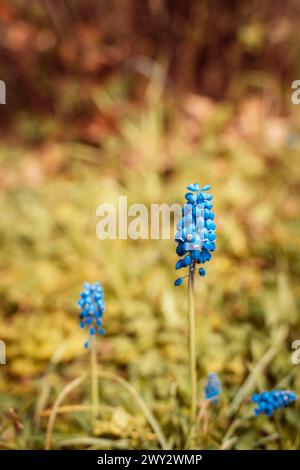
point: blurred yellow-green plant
(247, 310)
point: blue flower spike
(267, 402)
(196, 235)
(213, 388)
(92, 307)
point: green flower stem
(66, 390)
(113, 378)
(142, 404)
(192, 346)
(94, 382)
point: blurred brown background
(218, 48)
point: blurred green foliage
(48, 244)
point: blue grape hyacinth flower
(196, 230)
(213, 388)
(268, 402)
(91, 304)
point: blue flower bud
(193, 187)
(190, 197)
(255, 398)
(212, 389)
(200, 198)
(178, 236)
(187, 208)
(180, 249)
(212, 236)
(206, 245)
(198, 211)
(179, 264)
(187, 261)
(210, 225)
(178, 281)
(195, 255)
(188, 218)
(207, 214)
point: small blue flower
(190, 197)
(91, 304)
(196, 234)
(179, 264)
(212, 389)
(178, 281)
(268, 402)
(193, 187)
(187, 260)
